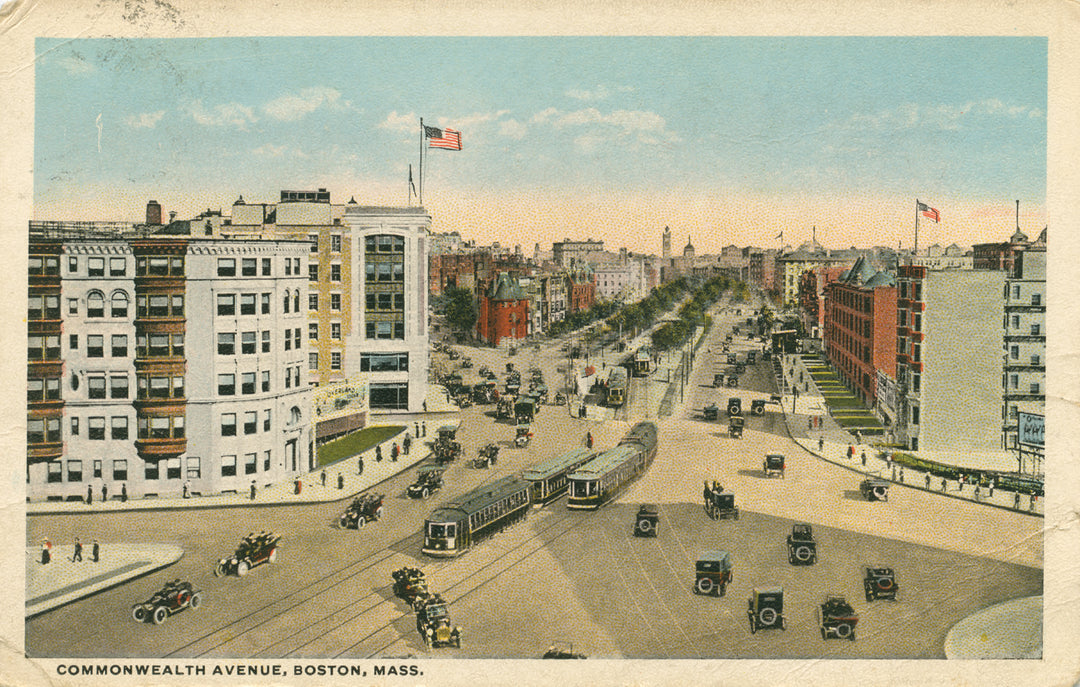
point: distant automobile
(368, 507)
(766, 609)
(561, 650)
(174, 597)
(647, 521)
(433, 624)
(837, 618)
(712, 573)
(428, 481)
(252, 551)
(773, 465)
(880, 583)
(802, 548)
(875, 489)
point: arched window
(95, 304)
(286, 302)
(294, 415)
(119, 304)
(296, 301)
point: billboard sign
(1030, 432)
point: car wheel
(843, 630)
(273, 555)
(736, 513)
(343, 522)
(378, 513)
(182, 599)
(721, 589)
(424, 493)
(803, 554)
(160, 614)
(360, 522)
(138, 613)
(644, 526)
(704, 585)
(783, 624)
(242, 568)
(767, 616)
(196, 600)
(219, 570)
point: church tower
(667, 243)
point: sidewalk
(312, 489)
(1007, 630)
(62, 581)
(831, 442)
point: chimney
(172, 216)
(153, 213)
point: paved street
(569, 576)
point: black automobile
(174, 597)
(757, 406)
(712, 573)
(718, 380)
(711, 412)
(880, 583)
(734, 406)
(562, 650)
(647, 521)
(253, 550)
(874, 489)
(720, 503)
(428, 481)
(363, 509)
(766, 609)
(837, 618)
(773, 465)
(736, 423)
(433, 624)
(410, 584)
(802, 548)
(486, 456)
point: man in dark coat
(123, 492)
(78, 551)
(89, 494)
(95, 552)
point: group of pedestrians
(105, 493)
(77, 553)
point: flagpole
(915, 251)
(421, 194)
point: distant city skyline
(725, 140)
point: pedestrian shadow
(854, 495)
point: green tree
(461, 309)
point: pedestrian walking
(104, 492)
(89, 495)
(298, 485)
(943, 484)
(252, 490)
(123, 492)
(858, 437)
(850, 451)
(77, 556)
(990, 488)
(406, 443)
(863, 457)
(894, 473)
(976, 492)
(394, 451)
(322, 476)
(360, 465)
(95, 552)
(416, 426)
(1016, 501)
(378, 453)
(46, 546)
(928, 480)
(960, 482)
(901, 473)
(424, 406)
(588, 439)
(1031, 503)
(340, 481)
(423, 426)
(187, 489)
(821, 444)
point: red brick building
(581, 290)
(812, 285)
(461, 270)
(860, 328)
(999, 256)
(504, 312)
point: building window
(97, 469)
(228, 424)
(226, 385)
(313, 331)
(119, 346)
(247, 383)
(266, 461)
(265, 380)
(249, 267)
(95, 304)
(266, 262)
(95, 346)
(118, 387)
(73, 264)
(74, 470)
(288, 378)
(228, 466)
(1036, 299)
(95, 428)
(296, 301)
(1036, 359)
(266, 341)
(73, 306)
(55, 472)
(249, 463)
(1014, 352)
(313, 302)
(1014, 381)
(1034, 387)
(313, 239)
(335, 301)
(74, 426)
(266, 420)
(48, 265)
(226, 343)
(288, 340)
(226, 304)
(393, 396)
(119, 427)
(247, 304)
(286, 303)
(335, 243)
(288, 267)
(194, 468)
(96, 387)
(313, 361)
(335, 360)
(264, 301)
(335, 330)
(247, 343)
(117, 267)
(1036, 329)
(296, 376)
(296, 338)
(335, 272)
(119, 470)
(313, 271)
(95, 267)
(226, 267)
(251, 422)
(384, 362)
(172, 468)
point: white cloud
(512, 129)
(400, 122)
(544, 115)
(145, 120)
(642, 126)
(944, 117)
(601, 92)
(289, 108)
(229, 114)
(269, 150)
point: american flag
(443, 138)
(929, 212)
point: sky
(726, 140)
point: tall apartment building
(948, 358)
(1024, 378)
(567, 253)
(860, 328)
(136, 339)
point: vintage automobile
(505, 408)
(718, 380)
(719, 503)
(174, 597)
(484, 371)
(540, 393)
(253, 550)
(751, 357)
(713, 573)
(433, 624)
(466, 363)
(410, 584)
(454, 355)
(481, 394)
(561, 650)
(732, 358)
(487, 456)
(429, 480)
(525, 409)
(757, 406)
(711, 412)
(732, 381)
(734, 406)
(512, 387)
(446, 447)
(463, 399)
(837, 618)
(874, 489)
(880, 583)
(362, 509)
(647, 521)
(560, 399)
(802, 548)
(766, 609)
(773, 465)
(736, 423)
(522, 435)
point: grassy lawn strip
(856, 422)
(849, 402)
(358, 442)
